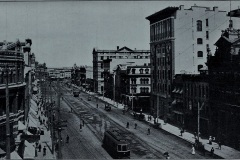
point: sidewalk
(225, 152)
(45, 140)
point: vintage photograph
(119, 79)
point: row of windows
(200, 90)
(163, 88)
(121, 57)
(164, 74)
(163, 61)
(144, 90)
(12, 78)
(161, 30)
(141, 71)
(142, 81)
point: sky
(65, 32)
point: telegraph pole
(198, 129)
(51, 117)
(8, 156)
(59, 131)
(132, 99)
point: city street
(97, 120)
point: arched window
(199, 25)
(147, 71)
(199, 41)
(147, 80)
(200, 66)
(141, 71)
(200, 54)
(133, 71)
(141, 81)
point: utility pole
(51, 117)
(132, 98)
(157, 107)
(199, 108)
(114, 87)
(8, 155)
(59, 131)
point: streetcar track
(116, 125)
(151, 147)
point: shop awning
(14, 155)
(21, 126)
(2, 152)
(174, 102)
(29, 152)
(178, 112)
(32, 121)
(34, 106)
(174, 90)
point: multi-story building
(78, 75)
(179, 39)
(12, 71)
(133, 86)
(118, 56)
(224, 86)
(190, 94)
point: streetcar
(76, 93)
(116, 144)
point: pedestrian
(80, 126)
(39, 147)
(83, 122)
(135, 126)
(219, 145)
(43, 121)
(148, 131)
(127, 125)
(210, 140)
(193, 150)
(150, 118)
(212, 151)
(44, 150)
(97, 105)
(181, 132)
(36, 152)
(67, 139)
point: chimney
(215, 8)
(117, 47)
(181, 7)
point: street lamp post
(8, 156)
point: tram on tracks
(116, 144)
(76, 93)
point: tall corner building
(179, 41)
(119, 56)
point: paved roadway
(87, 143)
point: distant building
(78, 75)
(60, 73)
(179, 40)
(133, 86)
(118, 56)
